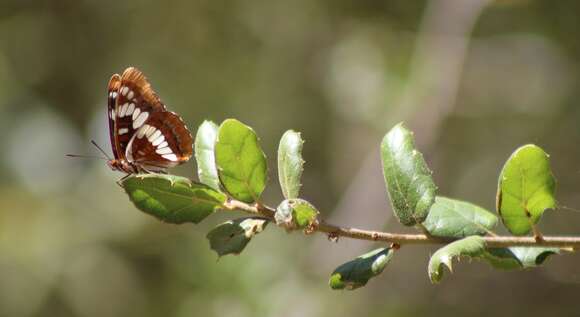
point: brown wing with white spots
(162, 141)
(135, 103)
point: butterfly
(145, 137)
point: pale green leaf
(290, 163)
(295, 214)
(171, 198)
(231, 237)
(458, 219)
(204, 154)
(472, 246)
(526, 189)
(358, 272)
(240, 160)
(518, 257)
(409, 182)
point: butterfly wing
(133, 101)
(163, 141)
(112, 93)
(142, 131)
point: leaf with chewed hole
(356, 273)
(231, 237)
(295, 214)
(172, 198)
(518, 257)
(472, 247)
(290, 163)
(409, 182)
(240, 160)
(205, 156)
(458, 219)
(526, 189)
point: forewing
(162, 141)
(136, 102)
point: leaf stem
(403, 239)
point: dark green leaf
(231, 237)
(290, 163)
(526, 189)
(473, 246)
(240, 160)
(171, 198)
(204, 154)
(458, 219)
(409, 183)
(356, 273)
(518, 257)
(295, 214)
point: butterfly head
(123, 166)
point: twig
(404, 239)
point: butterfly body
(123, 166)
(145, 137)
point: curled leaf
(458, 219)
(171, 198)
(409, 182)
(231, 237)
(295, 214)
(526, 189)
(290, 163)
(240, 160)
(518, 257)
(472, 246)
(204, 154)
(356, 273)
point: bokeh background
(474, 80)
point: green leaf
(240, 160)
(290, 163)
(171, 198)
(204, 154)
(526, 189)
(356, 273)
(409, 183)
(518, 257)
(295, 214)
(231, 237)
(473, 246)
(458, 219)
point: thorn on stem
(311, 228)
(333, 236)
(537, 234)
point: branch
(401, 238)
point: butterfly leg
(120, 181)
(154, 171)
(144, 170)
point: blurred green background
(474, 80)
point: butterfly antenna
(100, 149)
(87, 156)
